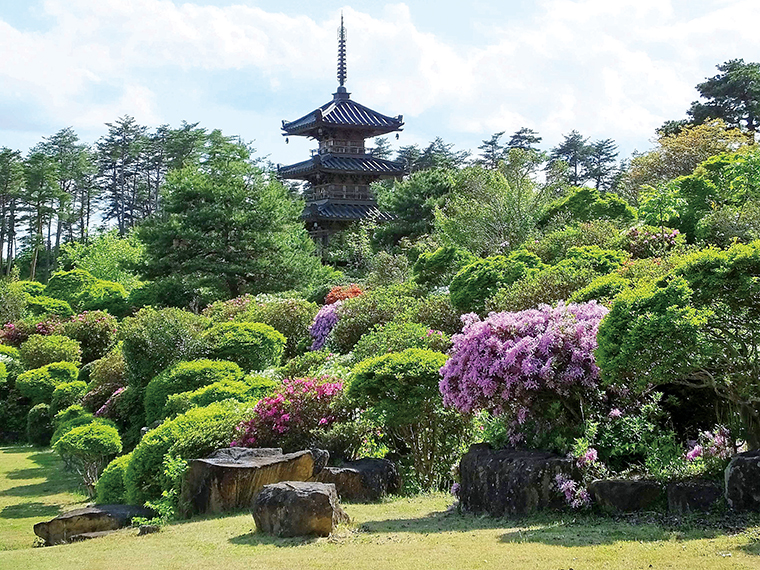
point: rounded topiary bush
(73, 416)
(437, 268)
(291, 317)
(31, 288)
(48, 306)
(105, 296)
(70, 286)
(398, 336)
(253, 346)
(88, 449)
(38, 384)
(191, 435)
(40, 350)
(11, 360)
(249, 389)
(94, 330)
(110, 488)
(67, 394)
(38, 425)
(185, 377)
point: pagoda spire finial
(341, 52)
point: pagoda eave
(346, 165)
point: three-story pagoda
(341, 170)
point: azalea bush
(650, 241)
(94, 330)
(536, 367)
(288, 418)
(40, 350)
(343, 292)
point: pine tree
(525, 139)
(574, 150)
(11, 187)
(601, 164)
(492, 152)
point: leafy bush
(185, 377)
(650, 241)
(724, 225)
(398, 336)
(38, 426)
(85, 292)
(437, 268)
(110, 489)
(107, 375)
(477, 282)
(305, 365)
(14, 408)
(11, 360)
(47, 306)
(602, 289)
(38, 384)
(10, 352)
(105, 296)
(191, 435)
(291, 317)
(31, 288)
(536, 367)
(95, 331)
(343, 292)
(358, 315)
(153, 340)
(88, 449)
(288, 418)
(553, 246)
(12, 302)
(253, 346)
(71, 417)
(436, 312)
(401, 391)
(67, 394)
(585, 204)
(40, 350)
(249, 389)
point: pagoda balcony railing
(341, 192)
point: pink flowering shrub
(576, 495)
(288, 417)
(95, 331)
(650, 241)
(713, 450)
(323, 324)
(536, 367)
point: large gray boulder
(88, 522)
(693, 496)
(229, 479)
(363, 480)
(742, 477)
(297, 508)
(626, 495)
(510, 481)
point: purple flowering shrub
(651, 241)
(323, 324)
(536, 367)
(712, 451)
(288, 417)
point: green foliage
(250, 389)
(179, 291)
(67, 394)
(40, 350)
(106, 256)
(153, 340)
(106, 296)
(38, 426)
(88, 449)
(436, 312)
(661, 204)
(552, 247)
(305, 365)
(596, 258)
(376, 307)
(73, 417)
(193, 434)
(398, 336)
(351, 440)
(12, 302)
(602, 289)
(42, 306)
(31, 288)
(185, 377)
(253, 346)
(11, 360)
(585, 204)
(95, 331)
(479, 281)
(85, 292)
(436, 269)
(724, 225)
(38, 384)
(387, 269)
(110, 489)
(401, 391)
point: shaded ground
(416, 533)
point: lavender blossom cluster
(323, 324)
(503, 363)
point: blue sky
(462, 71)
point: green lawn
(402, 533)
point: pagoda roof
(342, 164)
(342, 112)
(327, 210)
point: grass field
(414, 533)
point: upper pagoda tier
(342, 115)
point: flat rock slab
(363, 480)
(86, 521)
(511, 481)
(742, 479)
(230, 479)
(297, 508)
(626, 495)
(693, 496)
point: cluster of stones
(289, 494)
(515, 482)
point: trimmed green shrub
(40, 350)
(398, 336)
(291, 317)
(248, 390)
(14, 409)
(95, 331)
(253, 346)
(479, 281)
(10, 351)
(48, 306)
(153, 340)
(437, 268)
(72, 417)
(305, 365)
(11, 360)
(602, 289)
(185, 377)
(193, 434)
(71, 286)
(437, 312)
(67, 394)
(401, 390)
(38, 384)
(88, 449)
(38, 426)
(31, 288)
(585, 204)
(553, 247)
(110, 489)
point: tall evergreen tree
(492, 151)
(574, 150)
(382, 148)
(524, 138)
(39, 199)
(11, 188)
(601, 164)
